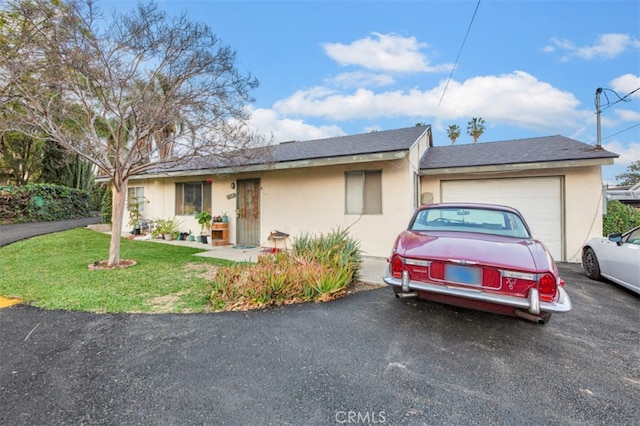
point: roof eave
(285, 165)
(518, 166)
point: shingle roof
(364, 143)
(340, 146)
(531, 150)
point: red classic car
(478, 256)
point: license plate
(467, 275)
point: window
(135, 197)
(363, 192)
(458, 219)
(192, 197)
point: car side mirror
(616, 238)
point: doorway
(248, 212)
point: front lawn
(52, 272)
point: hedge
(41, 203)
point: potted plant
(204, 219)
(169, 228)
(224, 217)
(135, 215)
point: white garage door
(538, 199)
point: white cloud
(517, 98)
(629, 152)
(268, 122)
(384, 52)
(361, 79)
(625, 84)
(558, 43)
(628, 115)
(606, 47)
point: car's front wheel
(590, 264)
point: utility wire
(620, 99)
(459, 52)
(610, 104)
(622, 131)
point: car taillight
(397, 264)
(547, 287)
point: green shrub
(106, 208)
(96, 197)
(42, 202)
(619, 218)
(319, 268)
(336, 248)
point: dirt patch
(359, 286)
(207, 270)
(164, 304)
(103, 264)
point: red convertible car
(478, 256)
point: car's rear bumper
(531, 304)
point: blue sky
(528, 68)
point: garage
(539, 199)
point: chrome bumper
(532, 303)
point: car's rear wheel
(590, 264)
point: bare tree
(137, 92)
(475, 128)
(453, 132)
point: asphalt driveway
(364, 359)
(20, 231)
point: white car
(616, 258)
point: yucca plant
(335, 248)
(317, 269)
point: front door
(248, 212)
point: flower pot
(225, 218)
(190, 238)
(204, 239)
(198, 239)
(168, 237)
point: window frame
(369, 192)
(134, 192)
(205, 202)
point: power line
(622, 131)
(459, 52)
(620, 99)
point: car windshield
(479, 220)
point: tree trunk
(117, 217)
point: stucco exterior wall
(304, 200)
(581, 200)
(313, 200)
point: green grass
(51, 272)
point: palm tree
(475, 128)
(453, 132)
